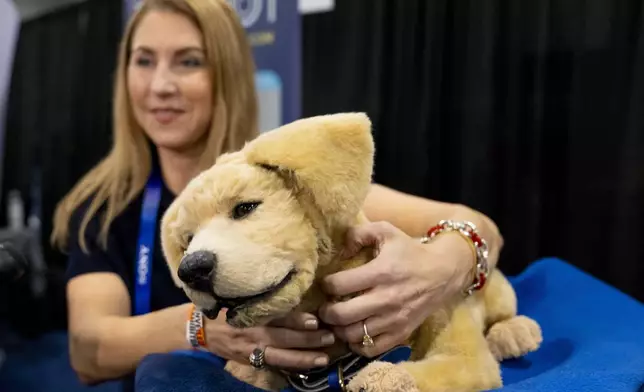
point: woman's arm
(415, 215)
(105, 341)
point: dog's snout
(197, 268)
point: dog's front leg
(459, 361)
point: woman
(184, 93)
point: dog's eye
(241, 210)
(187, 239)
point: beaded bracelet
(479, 246)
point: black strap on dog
(337, 375)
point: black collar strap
(338, 374)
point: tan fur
(312, 177)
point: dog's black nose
(196, 270)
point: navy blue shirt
(120, 255)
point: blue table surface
(593, 340)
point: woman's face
(169, 82)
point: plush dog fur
(275, 214)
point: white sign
(312, 6)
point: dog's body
(275, 214)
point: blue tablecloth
(42, 365)
(593, 341)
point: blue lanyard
(145, 247)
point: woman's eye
(143, 62)
(192, 62)
(242, 210)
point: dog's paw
(514, 337)
(382, 377)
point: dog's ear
(330, 157)
(230, 157)
(171, 239)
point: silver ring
(256, 358)
(367, 340)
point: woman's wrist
(196, 329)
(486, 229)
(467, 251)
(458, 253)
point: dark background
(529, 111)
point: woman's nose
(163, 82)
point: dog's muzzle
(233, 304)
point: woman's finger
(297, 320)
(355, 309)
(354, 280)
(376, 325)
(367, 235)
(289, 338)
(292, 359)
(282, 358)
(382, 343)
(357, 238)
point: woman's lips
(166, 116)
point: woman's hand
(284, 341)
(403, 285)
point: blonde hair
(120, 177)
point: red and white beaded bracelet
(479, 247)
